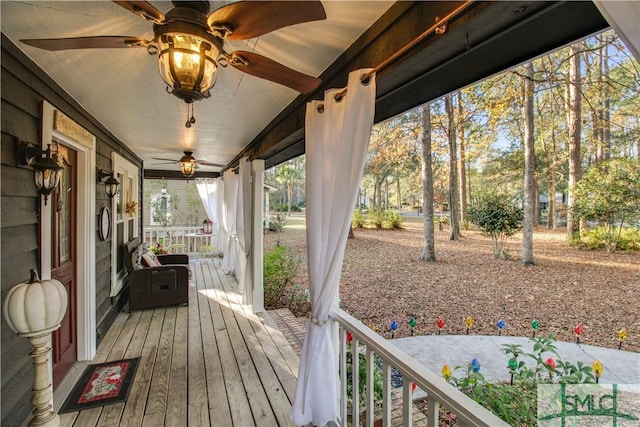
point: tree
(288, 174)
(453, 170)
(574, 120)
(609, 193)
(498, 216)
(529, 168)
(428, 241)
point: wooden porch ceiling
(487, 38)
(211, 363)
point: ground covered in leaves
(384, 279)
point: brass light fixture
(187, 52)
(46, 170)
(110, 185)
(188, 164)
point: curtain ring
(339, 97)
(365, 80)
(320, 108)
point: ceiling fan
(189, 42)
(188, 163)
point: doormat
(101, 384)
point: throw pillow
(151, 260)
(136, 258)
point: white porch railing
(439, 392)
(180, 239)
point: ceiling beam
(176, 175)
(485, 39)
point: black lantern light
(110, 185)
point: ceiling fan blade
(168, 160)
(143, 9)
(205, 163)
(265, 68)
(164, 163)
(86, 42)
(249, 19)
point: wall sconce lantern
(46, 170)
(110, 185)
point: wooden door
(63, 262)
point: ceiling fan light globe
(188, 168)
(187, 64)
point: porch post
(257, 233)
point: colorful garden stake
(534, 325)
(551, 366)
(373, 327)
(349, 337)
(440, 324)
(513, 365)
(394, 327)
(469, 322)
(475, 365)
(622, 337)
(413, 387)
(578, 330)
(412, 324)
(446, 372)
(597, 369)
(501, 325)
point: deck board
(209, 363)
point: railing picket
(386, 394)
(371, 409)
(355, 382)
(343, 375)
(407, 402)
(433, 411)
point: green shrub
(376, 218)
(441, 221)
(277, 222)
(392, 220)
(358, 220)
(362, 378)
(516, 402)
(280, 270)
(616, 238)
(498, 215)
(283, 207)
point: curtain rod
(440, 27)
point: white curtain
(243, 227)
(336, 148)
(221, 235)
(208, 191)
(624, 17)
(229, 220)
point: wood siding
(24, 88)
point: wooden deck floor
(208, 363)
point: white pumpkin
(35, 306)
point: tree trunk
(529, 168)
(386, 193)
(289, 196)
(463, 162)
(399, 199)
(605, 120)
(551, 185)
(575, 118)
(454, 217)
(428, 240)
(351, 235)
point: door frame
(85, 226)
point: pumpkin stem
(34, 276)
